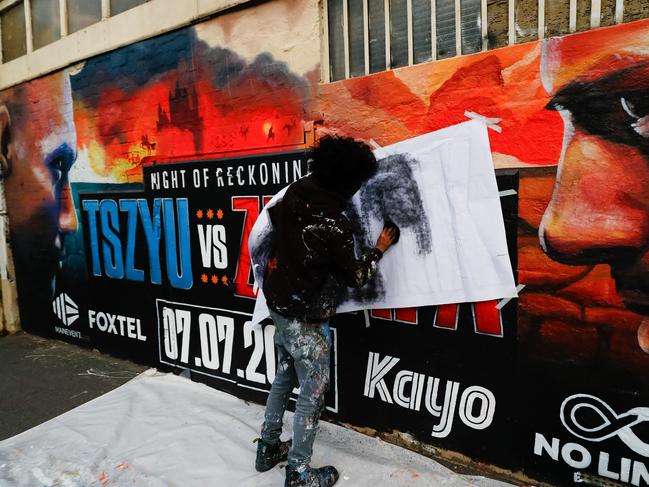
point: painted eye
(57, 164)
(56, 168)
(628, 107)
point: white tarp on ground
(164, 430)
(440, 188)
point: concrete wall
(147, 20)
(573, 141)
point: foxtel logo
(66, 309)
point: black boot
(311, 477)
(270, 455)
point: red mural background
(566, 312)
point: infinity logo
(612, 424)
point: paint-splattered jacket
(313, 257)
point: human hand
(388, 237)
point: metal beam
(325, 71)
(484, 27)
(433, 29)
(63, 16)
(458, 28)
(28, 26)
(511, 22)
(386, 11)
(105, 9)
(595, 13)
(619, 11)
(366, 36)
(346, 36)
(411, 52)
(573, 16)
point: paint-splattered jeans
(302, 358)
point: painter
(311, 261)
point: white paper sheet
(457, 250)
(161, 430)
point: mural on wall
(87, 215)
(577, 101)
(585, 92)
(38, 149)
(170, 96)
(147, 259)
(598, 213)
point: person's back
(312, 258)
(311, 261)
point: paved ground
(161, 430)
(40, 379)
(43, 378)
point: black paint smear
(134, 66)
(391, 195)
(181, 52)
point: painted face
(599, 212)
(41, 152)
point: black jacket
(312, 258)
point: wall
(9, 315)
(142, 22)
(581, 331)
(108, 256)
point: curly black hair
(342, 164)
